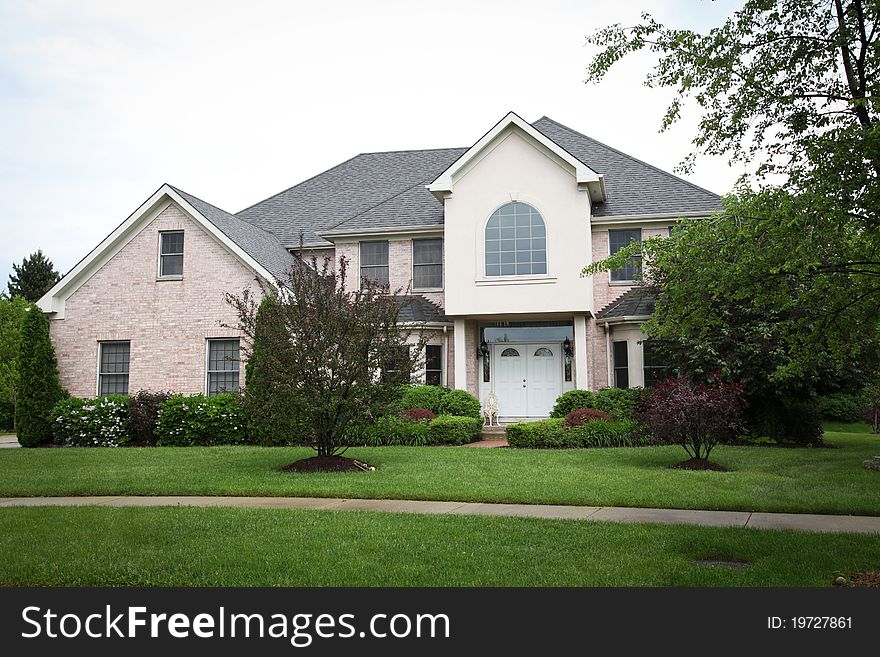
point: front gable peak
(587, 178)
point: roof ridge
(628, 156)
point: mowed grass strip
(761, 479)
(184, 546)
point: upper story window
(171, 254)
(516, 241)
(113, 358)
(374, 261)
(427, 264)
(617, 239)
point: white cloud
(101, 102)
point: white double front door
(528, 378)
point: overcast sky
(102, 102)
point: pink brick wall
(604, 292)
(166, 321)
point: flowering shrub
(200, 420)
(99, 422)
(696, 416)
(581, 415)
(418, 415)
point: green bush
(460, 403)
(572, 401)
(553, 434)
(454, 430)
(39, 388)
(428, 397)
(201, 420)
(7, 416)
(98, 422)
(619, 403)
(390, 430)
(785, 419)
(842, 406)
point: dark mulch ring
(867, 579)
(699, 464)
(327, 464)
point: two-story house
(490, 240)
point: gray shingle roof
(350, 189)
(417, 309)
(637, 302)
(633, 187)
(260, 244)
(386, 190)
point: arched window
(543, 352)
(516, 241)
(510, 351)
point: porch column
(580, 353)
(461, 354)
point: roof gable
(583, 174)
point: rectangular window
(223, 366)
(374, 262)
(617, 239)
(427, 264)
(653, 363)
(621, 364)
(113, 368)
(398, 369)
(433, 365)
(171, 254)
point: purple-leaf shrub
(580, 416)
(695, 415)
(418, 415)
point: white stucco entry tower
(539, 312)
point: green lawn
(177, 546)
(762, 479)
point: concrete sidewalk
(796, 521)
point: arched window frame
(487, 271)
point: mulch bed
(699, 464)
(866, 579)
(327, 464)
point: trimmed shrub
(785, 419)
(553, 434)
(842, 406)
(39, 388)
(571, 401)
(7, 416)
(454, 430)
(98, 422)
(200, 420)
(460, 403)
(389, 430)
(143, 413)
(417, 415)
(428, 397)
(583, 415)
(619, 403)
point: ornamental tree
(323, 358)
(695, 415)
(39, 386)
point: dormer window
(516, 241)
(171, 254)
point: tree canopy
(782, 288)
(33, 277)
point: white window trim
(629, 282)
(508, 279)
(442, 363)
(208, 359)
(169, 277)
(412, 264)
(361, 261)
(101, 344)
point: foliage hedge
(98, 422)
(143, 414)
(553, 434)
(39, 387)
(842, 406)
(393, 430)
(422, 397)
(199, 420)
(460, 403)
(619, 403)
